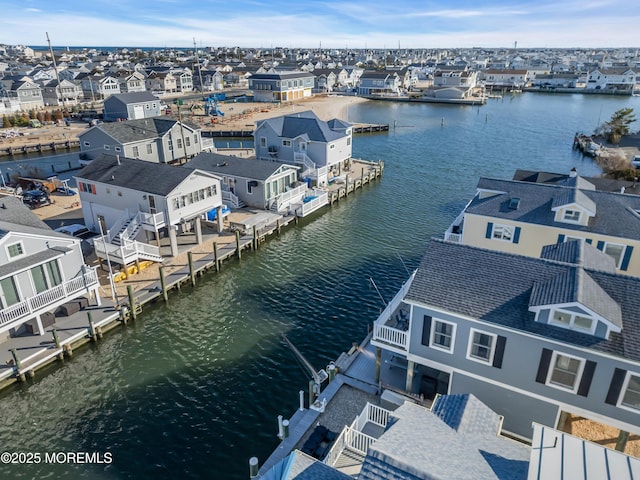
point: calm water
(193, 390)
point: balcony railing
(453, 237)
(35, 304)
(393, 336)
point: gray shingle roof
(140, 175)
(418, 444)
(234, 166)
(132, 131)
(579, 253)
(615, 213)
(31, 260)
(298, 466)
(134, 97)
(304, 123)
(497, 289)
(13, 211)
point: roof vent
(514, 203)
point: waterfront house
(184, 79)
(281, 86)
(507, 79)
(618, 80)
(453, 83)
(373, 82)
(40, 271)
(268, 185)
(535, 339)
(161, 81)
(320, 148)
(558, 80)
(133, 202)
(131, 106)
(212, 81)
(523, 217)
(158, 140)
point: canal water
(193, 389)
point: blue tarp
(212, 214)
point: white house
(132, 202)
(320, 148)
(40, 270)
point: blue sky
(337, 24)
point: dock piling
(132, 303)
(92, 328)
(163, 284)
(238, 245)
(253, 467)
(301, 400)
(215, 256)
(192, 272)
(254, 242)
(285, 429)
(312, 392)
(280, 428)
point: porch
(391, 330)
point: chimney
(573, 173)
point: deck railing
(392, 336)
(322, 198)
(336, 449)
(32, 305)
(453, 237)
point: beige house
(522, 217)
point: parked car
(35, 198)
(76, 230)
(636, 161)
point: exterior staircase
(232, 200)
(121, 244)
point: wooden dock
(32, 353)
(369, 128)
(357, 129)
(38, 147)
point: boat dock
(26, 354)
(357, 128)
(38, 147)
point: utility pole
(195, 49)
(55, 68)
(184, 145)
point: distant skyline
(335, 24)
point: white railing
(358, 441)
(155, 220)
(283, 200)
(128, 252)
(392, 336)
(453, 237)
(304, 159)
(336, 449)
(207, 143)
(36, 303)
(322, 198)
(230, 199)
(374, 414)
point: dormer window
(572, 321)
(571, 215)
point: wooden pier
(31, 353)
(38, 147)
(357, 128)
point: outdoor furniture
(68, 309)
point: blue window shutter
(587, 376)
(600, 245)
(627, 256)
(560, 238)
(426, 330)
(499, 354)
(589, 241)
(489, 230)
(516, 235)
(616, 386)
(543, 366)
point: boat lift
(318, 376)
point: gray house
(131, 106)
(40, 270)
(158, 140)
(320, 148)
(536, 339)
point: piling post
(332, 371)
(278, 226)
(99, 332)
(215, 256)
(285, 429)
(68, 350)
(16, 359)
(378, 363)
(621, 443)
(163, 284)
(254, 243)
(238, 245)
(442, 122)
(312, 392)
(192, 272)
(280, 428)
(132, 302)
(56, 339)
(301, 400)
(296, 218)
(92, 328)
(253, 467)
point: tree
(618, 124)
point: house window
(631, 389)
(481, 346)
(442, 335)
(179, 143)
(572, 321)
(149, 148)
(332, 146)
(107, 147)
(503, 232)
(348, 141)
(136, 152)
(572, 215)
(117, 149)
(15, 250)
(8, 292)
(195, 139)
(263, 141)
(187, 141)
(286, 143)
(565, 371)
(39, 279)
(170, 143)
(86, 144)
(615, 251)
